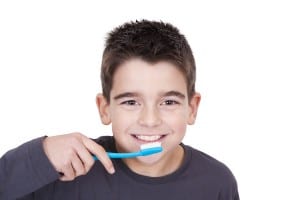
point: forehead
(137, 75)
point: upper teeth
(149, 138)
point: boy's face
(148, 103)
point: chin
(149, 160)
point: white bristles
(150, 145)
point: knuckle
(101, 148)
(73, 140)
(77, 134)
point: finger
(84, 155)
(101, 154)
(82, 152)
(68, 173)
(78, 167)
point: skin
(153, 103)
(148, 102)
(70, 154)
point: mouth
(148, 138)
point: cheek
(120, 121)
(179, 126)
(177, 120)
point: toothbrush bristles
(150, 145)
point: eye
(129, 103)
(170, 102)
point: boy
(148, 82)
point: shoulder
(210, 168)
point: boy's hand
(70, 154)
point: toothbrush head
(150, 148)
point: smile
(149, 138)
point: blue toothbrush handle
(120, 155)
(143, 152)
(123, 155)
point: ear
(193, 108)
(103, 108)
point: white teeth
(149, 138)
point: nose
(150, 117)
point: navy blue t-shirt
(27, 174)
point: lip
(147, 138)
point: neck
(168, 164)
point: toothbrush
(146, 149)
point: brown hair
(150, 41)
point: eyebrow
(174, 93)
(125, 94)
(135, 94)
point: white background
(247, 54)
